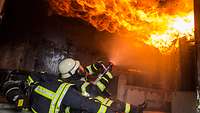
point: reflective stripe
(102, 109)
(59, 80)
(67, 110)
(61, 97)
(30, 80)
(105, 101)
(109, 103)
(56, 97)
(105, 79)
(93, 65)
(89, 68)
(33, 110)
(127, 108)
(20, 102)
(101, 86)
(109, 75)
(83, 89)
(44, 92)
(100, 99)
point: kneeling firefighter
(47, 94)
(71, 71)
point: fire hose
(105, 70)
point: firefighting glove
(140, 108)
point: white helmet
(68, 67)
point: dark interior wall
(32, 40)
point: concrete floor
(7, 108)
(12, 111)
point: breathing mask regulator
(12, 88)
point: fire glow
(177, 27)
(160, 22)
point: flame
(177, 27)
(160, 22)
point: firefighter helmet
(68, 67)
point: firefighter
(71, 71)
(47, 94)
(69, 67)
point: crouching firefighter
(72, 71)
(47, 94)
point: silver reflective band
(44, 92)
(56, 98)
(61, 97)
(102, 109)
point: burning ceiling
(160, 23)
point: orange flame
(161, 22)
(177, 27)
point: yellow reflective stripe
(90, 69)
(109, 103)
(59, 80)
(56, 96)
(20, 102)
(105, 79)
(44, 92)
(102, 109)
(67, 110)
(94, 66)
(109, 75)
(83, 89)
(61, 97)
(127, 108)
(33, 110)
(101, 86)
(100, 99)
(30, 80)
(106, 101)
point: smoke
(138, 59)
(125, 50)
